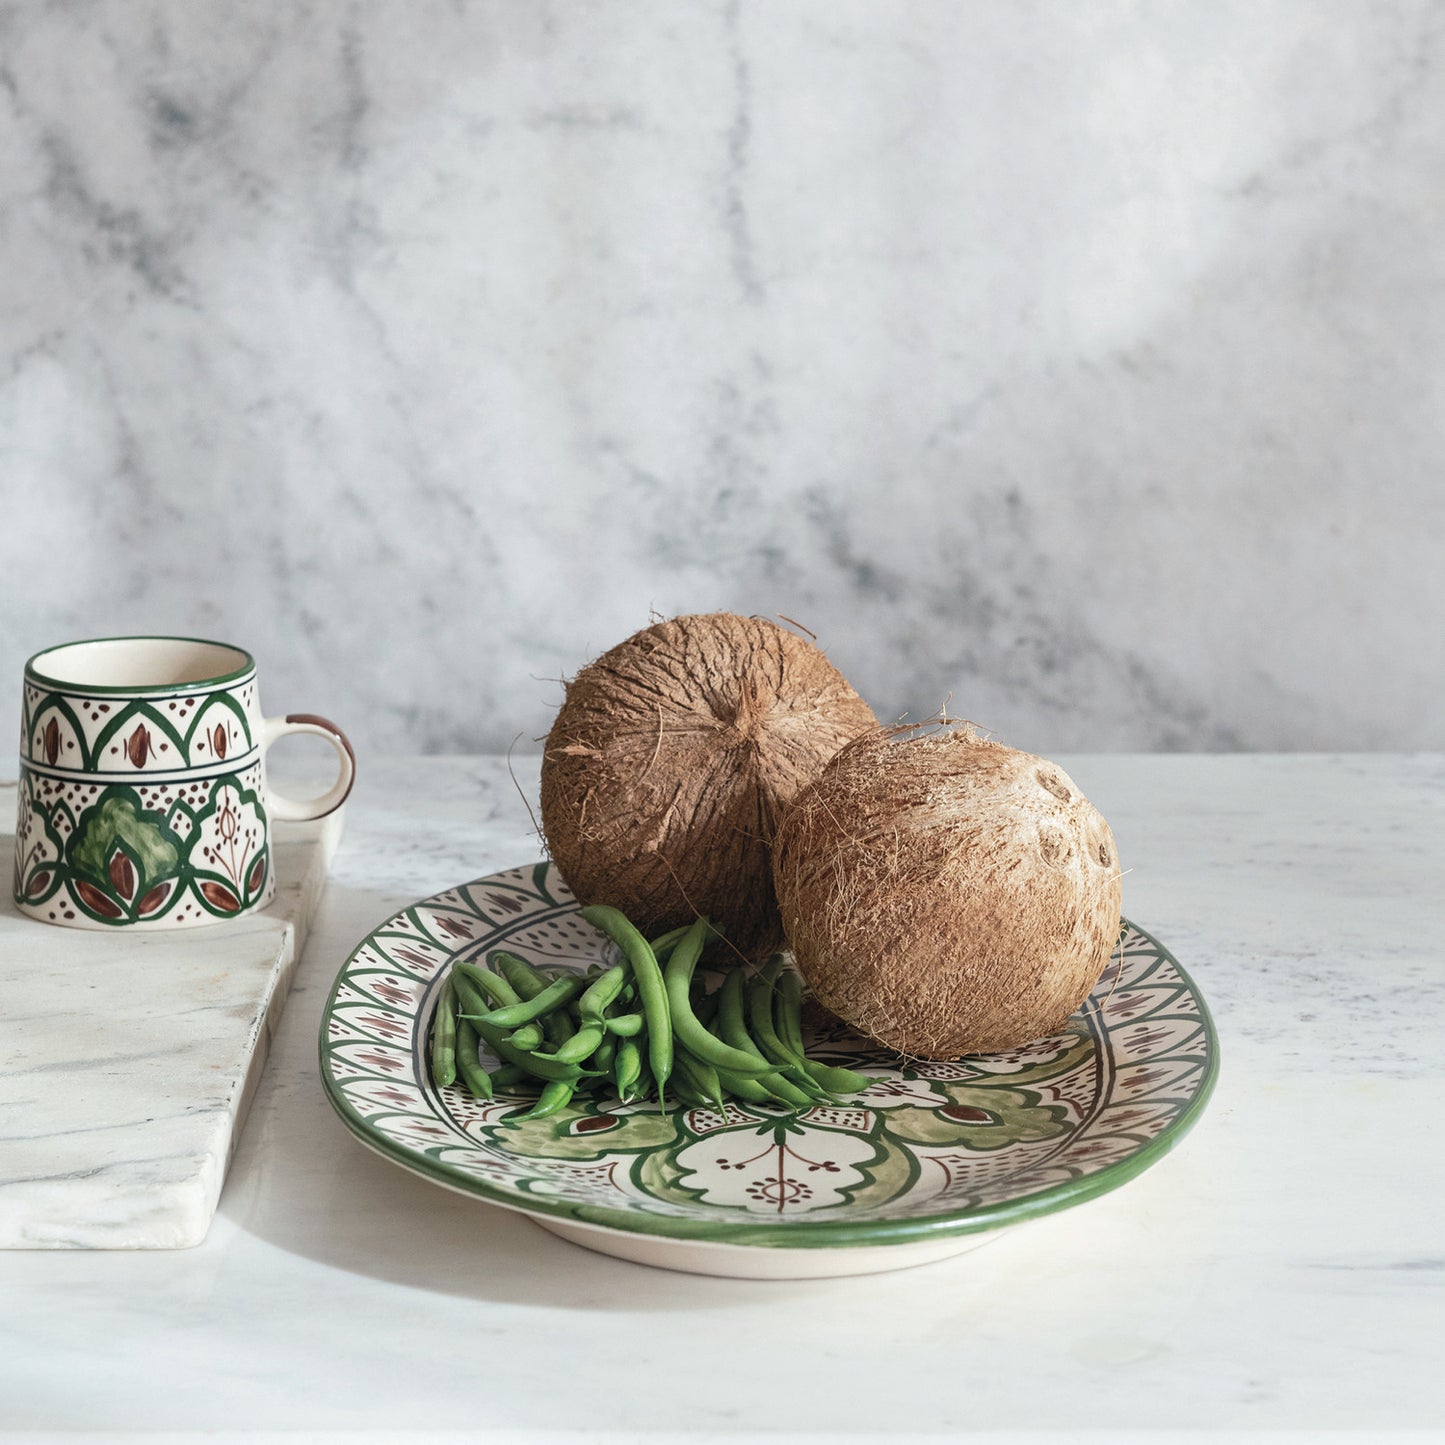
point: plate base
(730, 1261)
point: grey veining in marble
(130, 1059)
(1076, 363)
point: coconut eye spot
(1054, 846)
(1053, 783)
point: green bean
(642, 1086)
(690, 1033)
(509, 1076)
(558, 1027)
(524, 1011)
(606, 1052)
(601, 994)
(625, 1026)
(766, 1039)
(760, 1017)
(687, 1092)
(525, 979)
(664, 943)
(838, 1080)
(650, 991)
(788, 1092)
(484, 981)
(528, 983)
(735, 1033)
(497, 1040)
(626, 1068)
(581, 1046)
(555, 1096)
(706, 1008)
(528, 1037)
(474, 1076)
(751, 1091)
(444, 1038)
(788, 1007)
(788, 1003)
(703, 1077)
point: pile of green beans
(637, 1030)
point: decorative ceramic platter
(925, 1163)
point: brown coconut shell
(947, 895)
(670, 763)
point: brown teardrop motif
(138, 748)
(122, 875)
(38, 884)
(218, 740)
(596, 1124)
(258, 876)
(51, 740)
(967, 1114)
(219, 896)
(153, 899)
(96, 901)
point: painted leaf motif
(220, 897)
(154, 899)
(138, 747)
(96, 901)
(38, 884)
(218, 740)
(258, 876)
(119, 819)
(122, 875)
(51, 740)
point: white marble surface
(1280, 1275)
(1081, 361)
(131, 1059)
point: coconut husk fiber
(945, 894)
(671, 760)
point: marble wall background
(1081, 362)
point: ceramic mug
(143, 800)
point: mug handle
(298, 810)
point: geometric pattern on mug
(135, 735)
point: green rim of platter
(400, 1039)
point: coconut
(670, 762)
(945, 894)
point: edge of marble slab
(178, 1214)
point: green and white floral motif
(227, 853)
(863, 1151)
(123, 859)
(926, 1149)
(38, 847)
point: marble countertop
(1282, 1272)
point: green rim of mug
(166, 689)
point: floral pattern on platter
(927, 1148)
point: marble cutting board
(128, 1061)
